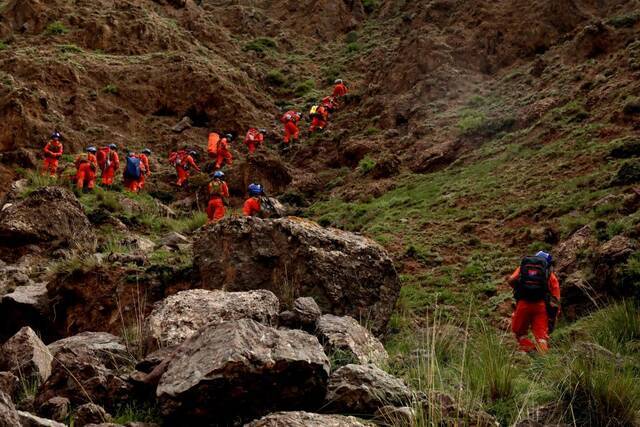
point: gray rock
(101, 345)
(90, 413)
(25, 306)
(242, 368)
(173, 239)
(9, 384)
(393, 416)
(345, 273)
(568, 252)
(182, 125)
(8, 414)
(304, 419)
(179, 316)
(26, 356)
(56, 408)
(347, 335)
(30, 420)
(616, 250)
(50, 217)
(363, 389)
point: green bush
(69, 48)
(3, 45)
(304, 87)
(624, 21)
(490, 371)
(352, 37)
(372, 130)
(111, 88)
(56, 28)
(260, 44)
(353, 47)
(366, 165)
(617, 326)
(369, 5)
(276, 78)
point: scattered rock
(242, 368)
(632, 107)
(29, 420)
(94, 360)
(56, 408)
(347, 335)
(153, 359)
(51, 217)
(182, 125)
(272, 208)
(90, 413)
(616, 250)
(304, 315)
(141, 244)
(8, 414)
(25, 355)
(629, 173)
(395, 416)
(9, 384)
(25, 306)
(304, 419)
(567, 254)
(173, 240)
(363, 389)
(345, 273)
(179, 316)
(386, 167)
(627, 149)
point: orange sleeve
(47, 149)
(246, 208)
(514, 276)
(225, 190)
(192, 163)
(116, 161)
(554, 285)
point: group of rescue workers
(535, 286)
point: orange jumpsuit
(109, 172)
(251, 207)
(215, 208)
(183, 169)
(319, 119)
(135, 185)
(253, 138)
(340, 90)
(327, 102)
(533, 314)
(52, 153)
(86, 166)
(147, 170)
(223, 155)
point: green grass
(137, 412)
(261, 44)
(56, 28)
(69, 48)
(276, 78)
(305, 87)
(366, 165)
(111, 89)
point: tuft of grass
(340, 357)
(276, 78)
(188, 224)
(56, 28)
(303, 88)
(261, 45)
(137, 412)
(111, 88)
(353, 47)
(366, 165)
(617, 326)
(351, 37)
(370, 5)
(624, 21)
(69, 48)
(75, 265)
(3, 45)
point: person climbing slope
(254, 138)
(224, 156)
(109, 163)
(328, 102)
(290, 120)
(340, 89)
(144, 158)
(218, 192)
(86, 167)
(252, 204)
(134, 171)
(319, 116)
(183, 162)
(53, 150)
(537, 293)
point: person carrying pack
(52, 153)
(319, 116)
(134, 171)
(218, 192)
(290, 120)
(109, 163)
(183, 165)
(86, 166)
(253, 138)
(252, 205)
(536, 290)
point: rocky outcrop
(345, 273)
(9, 384)
(8, 414)
(242, 368)
(397, 417)
(26, 356)
(181, 315)
(304, 315)
(94, 361)
(50, 217)
(56, 408)
(90, 413)
(567, 254)
(25, 306)
(359, 389)
(29, 420)
(304, 419)
(347, 335)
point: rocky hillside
(474, 133)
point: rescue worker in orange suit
(291, 131)
(223, 155)
(253, 138)
(537, 293)
(218, 192)
(144, 158)
(110, 164)
(329, 103)
(252, 204)
(319, 116)
(52, 153)
(184, 164)
(134, 171)
(340, 89)
(86, 167)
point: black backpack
(534, 279)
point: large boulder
(362, 389)
(345, 334)
(25, 306)
(50, 217)
(242, 368)
(304, 315)
(8, 414)
(57, 408)
(9, 384)
(90, 413)
(29, 420)
(179, 316)
(26, 356)
(304, 419)
(345, 273)
(568, 252)
(95, 361)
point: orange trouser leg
(531, 315)
(252, 147)
(142, 181)
(50, 166)
(107, 176)
(291, 131)
(540, 326)
(215, 209)
(183, 176)
(80, 174)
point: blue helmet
(547, 256)
(218, 174)
(113, 146)
(56, 135)
(92, 149)
(255, 189)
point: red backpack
(176, 157)
(289, 116)
(104, 157)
